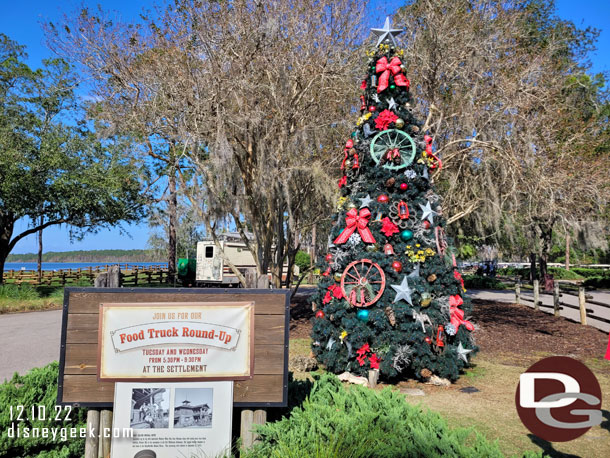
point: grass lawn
(492, 410)
(26, 298)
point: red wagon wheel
(362, 283)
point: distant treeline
(89, 256)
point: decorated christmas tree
(391, 297)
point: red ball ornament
(383, 199)
(329, 257)
(320, 314)
(426, 224)
(397, 266)
(372, 108)
(427, 339)
(404, 186)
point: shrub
(480, 282)
(303, 260)
(589, 272)
(18, 292)
(597, 282)
(37, 388)
(558, 273)
(359, 422)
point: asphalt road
(27, 340)
(32, 339)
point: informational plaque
(169, 420)
(176, 341)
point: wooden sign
(176, 341)
(78, 384)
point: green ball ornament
(392, 86)
(363, 315)
(406, 235)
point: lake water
(68, 265)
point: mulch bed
(502, 328)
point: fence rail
(131, 275)
(558, 291)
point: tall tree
(53, 170)
(252, 93)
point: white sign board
(176, 341)
(169, 420)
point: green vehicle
(186, 271)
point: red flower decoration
(336, 291)
(364, 349)
(374, 361)
(384, 119)
(327, 298)
(388, 227)
(363, 85)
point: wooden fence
(131, 275)
(559, 289)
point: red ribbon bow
(457, 315)
(353, 221)
(392, 67)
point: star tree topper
(387, 33)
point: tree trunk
(173, 216)
(546, 234)
(6, 232)
(533, 272)
(568, 252)
(40, 252)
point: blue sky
(21, 20)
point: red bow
(457, 315)
(392, 67)
(392, 153)
(429, 152)
(353, 221)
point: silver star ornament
(387, 33)
(366, 201)
(391, 104)
(428, 212)
(403, 291)
(463, 352)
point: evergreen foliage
(389, 159)
(359, 422)
(37, 388)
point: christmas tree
(390, 297)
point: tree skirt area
(510, 338)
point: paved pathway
(547, 304)
(27, 340)
(32, 339)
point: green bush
(359, 422)
(303, 260)
(37, 388)
(589, 272)
(597, 282)
(481, 282)
(558, 273)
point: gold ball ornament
(351, 205)
(432, 278)
(426, 299)
(372, 248)
(400, 123)
(348, 163)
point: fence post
(556, 299)
(536, 294)
(518, 291)
(581, 304)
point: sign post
(140, 349)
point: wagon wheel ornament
(390, 145)
(362, 283)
